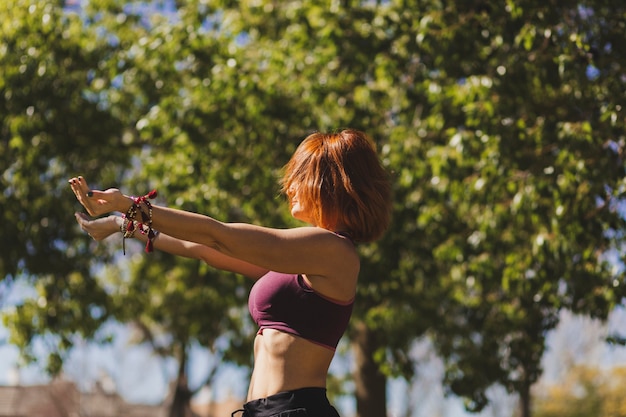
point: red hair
(341, 180)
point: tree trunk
(370, 383)
(181, 401)
(525, 401)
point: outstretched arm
(308, 250)
(102, 228)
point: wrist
(138, 218)
(125, 203)
(118, 222)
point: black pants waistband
(313, 400)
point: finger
(74, 184)
(78, 195)
(83, 193)
(79, 186)
(83, 223)
(82, 216)
(81, 219)
(82, 184)
(83, 201)
(82, 187)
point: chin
(298, 215)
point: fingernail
(80, 178)
(89, 194)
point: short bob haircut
(341, 180)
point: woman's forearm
(179, 247)
(183, 225)
(188, 226)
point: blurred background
(498, 289)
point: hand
(98, 202)
(99, 229)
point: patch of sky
(592, 72)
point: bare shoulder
(342, 269)
(337, 249)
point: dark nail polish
(89, 194)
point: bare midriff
(284, 362)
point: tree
(143, 75)
(523, 180)
(502, 126)
(72, 99)
(461, 118)
(49, 120)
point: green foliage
(49, 125)
(520, 173)
(502, 125)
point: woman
(306, 277)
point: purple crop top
(285, 302)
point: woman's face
(298, 209)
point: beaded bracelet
(144, 226)
(127, 228)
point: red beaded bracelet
(144, 226)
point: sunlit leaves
(502, 125)
(53, 127)
(518, 170)
(585, 391)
